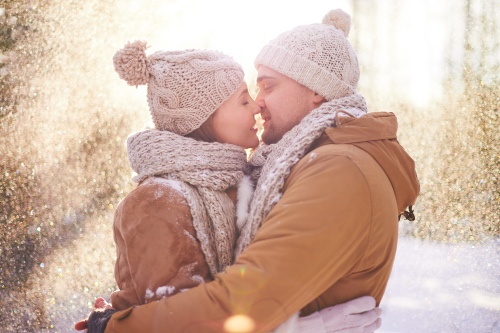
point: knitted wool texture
(318, 56)
(272, 163)
(204, 171)
(184, 87)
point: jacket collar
(372, 126)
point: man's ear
(318, 99)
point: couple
(202, 250)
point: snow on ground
(443, 288)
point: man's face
(284, 103)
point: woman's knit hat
(184, 87)
(318, 56)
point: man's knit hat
(184, 87)
(318, 56)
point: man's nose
(255, 107)
(260, 101)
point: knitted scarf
(272, 163)
(204, 171)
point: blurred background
(65, 115)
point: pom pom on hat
(339, 19)
(131, 63)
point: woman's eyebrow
(243, 93)
(264, 77)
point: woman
(178, 228)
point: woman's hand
(100, 305)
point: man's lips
(265, 119)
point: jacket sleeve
(301, 249)
(157, 253)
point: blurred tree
(464, 201)
(482, 96)
(62, 160)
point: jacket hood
(376, 134)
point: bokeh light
(239, 324)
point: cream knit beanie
(318, 56)
(184, 87)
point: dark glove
(98, 318)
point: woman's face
(234, 120)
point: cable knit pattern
(205, 171)
(184, 87)
(319, 56)
(274, 162)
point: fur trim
(245, 193)
(288, 326)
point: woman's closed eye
(245, 100)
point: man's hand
(100, 305)
(357, 316)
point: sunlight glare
(239, 324)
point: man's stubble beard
(274, 135)
(269, 137)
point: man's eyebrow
(265, 77)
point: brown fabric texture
(156, 246)
(277, 160)
(380, 128)
(330, 238)
(204, 171)
(177, 229)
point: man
(322, 226)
